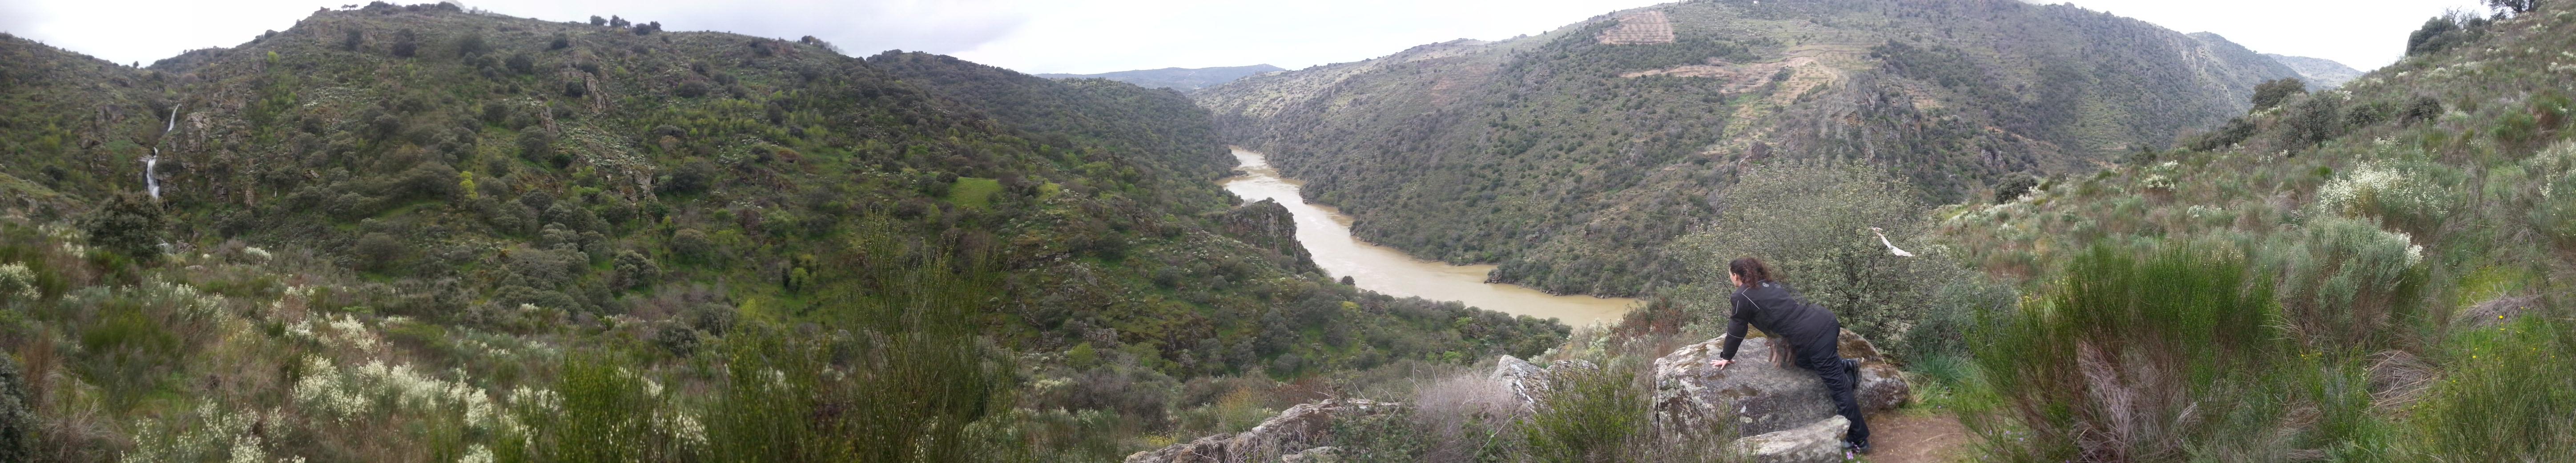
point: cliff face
(1571, 157)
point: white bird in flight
(1891, 246)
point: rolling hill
(2320, 73)
(1175, 78)
(1572, 157)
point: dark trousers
(1843, 385)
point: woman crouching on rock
(1810, 332)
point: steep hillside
(1175, 78)
(2403, 242)
(2319, 72)
(1572, 158)
(509, 210)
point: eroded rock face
(1294, 431)
(1754, 396)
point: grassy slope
(1573, 178)
(2420, 262)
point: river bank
(1326, 234)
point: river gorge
(1326, 234)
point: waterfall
(149, 162)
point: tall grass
(2510, 398)
(2133, 359)
(899, 376)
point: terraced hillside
(1572, 157)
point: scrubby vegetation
(2372, 273)
(418, 233)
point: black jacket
(1787, 317)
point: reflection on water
(1326, 233)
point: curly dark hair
(1752, 270)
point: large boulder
(1753, 396)
(1293, 432)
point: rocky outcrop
(1784, 408)
(1759, 397)
(1528, 381)
(1267, 225)
(1293, 433)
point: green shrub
(472, 44)
(2346, 284)
(1811, 221)
(18, 422)
(603, 413)
(520, 63)
(2271, 93)
(2516, 129)
(2508, 397)
(1587, 416)
(2014, 186)
(1944, 325)
(2423, 108)
(406, 43)
(129, 224)
(2130, 359)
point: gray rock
(1294, 431)
(1754, 396)
(1314, 455)
(1527, 381)
(1818, 442)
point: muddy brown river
(1326, 233)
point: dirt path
(1917, 438)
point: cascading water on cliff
(151, 184)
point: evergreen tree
(129, 224)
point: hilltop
(1175, 78)
(2320, 73)
(1572, 158)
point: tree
(595, 20)
(563, 41)
(129, 224)
(406, 43)
(2511, 7)
(2271, 93)
(2014, 186)
(1812, 220)
(471, 44)
(692, 244)
(355, 39)
(614, 21)
(634, 271)
(2442, 32)
(520, 63)
(378, 252)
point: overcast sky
(1079, 36)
